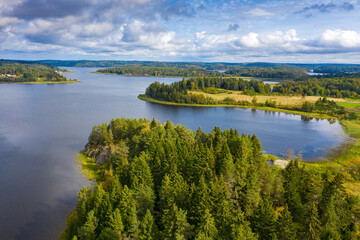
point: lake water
(43, 126)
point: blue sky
(173, 30)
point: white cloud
(258, 12)
(6, 21)
(251, 40)
(277, 40)
(343, 38)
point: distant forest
(162, 71)
(316, 68)
(23, 71)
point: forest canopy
(162, 181)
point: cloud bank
(172, 30)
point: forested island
(193, 71)
(318, 95)
(30, 72)
(160, 181)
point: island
(160, 181)
(31, 72)
(193, 70)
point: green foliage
(167, 182)
(147, 227)
(18, 71)
(338, 87)
(178, 91)
(161, 71)
(285, 72)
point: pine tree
(115, 191)
(175, 224)
(285, 226)
(127, 207)
(147, 227)
(226, 164)
(240, 229)
(313, 230)
(105, 211)
(263, 220)
(116, 222)
(108, 234)
(256, 147)
(207, 228)
(87, 231)
(330, 222)
(140, 173)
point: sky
(307, 31)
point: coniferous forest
(161, 181)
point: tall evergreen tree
(147, 227)
(285, 226)
(87, 231)
(313, 229)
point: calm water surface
(43, 126)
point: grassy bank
(306, 114)
(285, 101)
(88, 167)
(347, 162)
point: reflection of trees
(306, 118)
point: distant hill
(316, 68)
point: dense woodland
(162, 71)
(334, 69)
(168, 182)
(339, 87)
(285, 72)
(177, 92)
(12, 71)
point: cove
(44, 126)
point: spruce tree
(147, 227)
(313, 229)
(87, 231)
(285, 226)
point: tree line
(11, 71)
(161, 71)
(167, 182)
(178, 91)
(285, 72)
(338, 87)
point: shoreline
(294, 112)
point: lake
(44, 126)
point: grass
(88, 167)
(348, 162)
(285, 101)
(348, 105)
